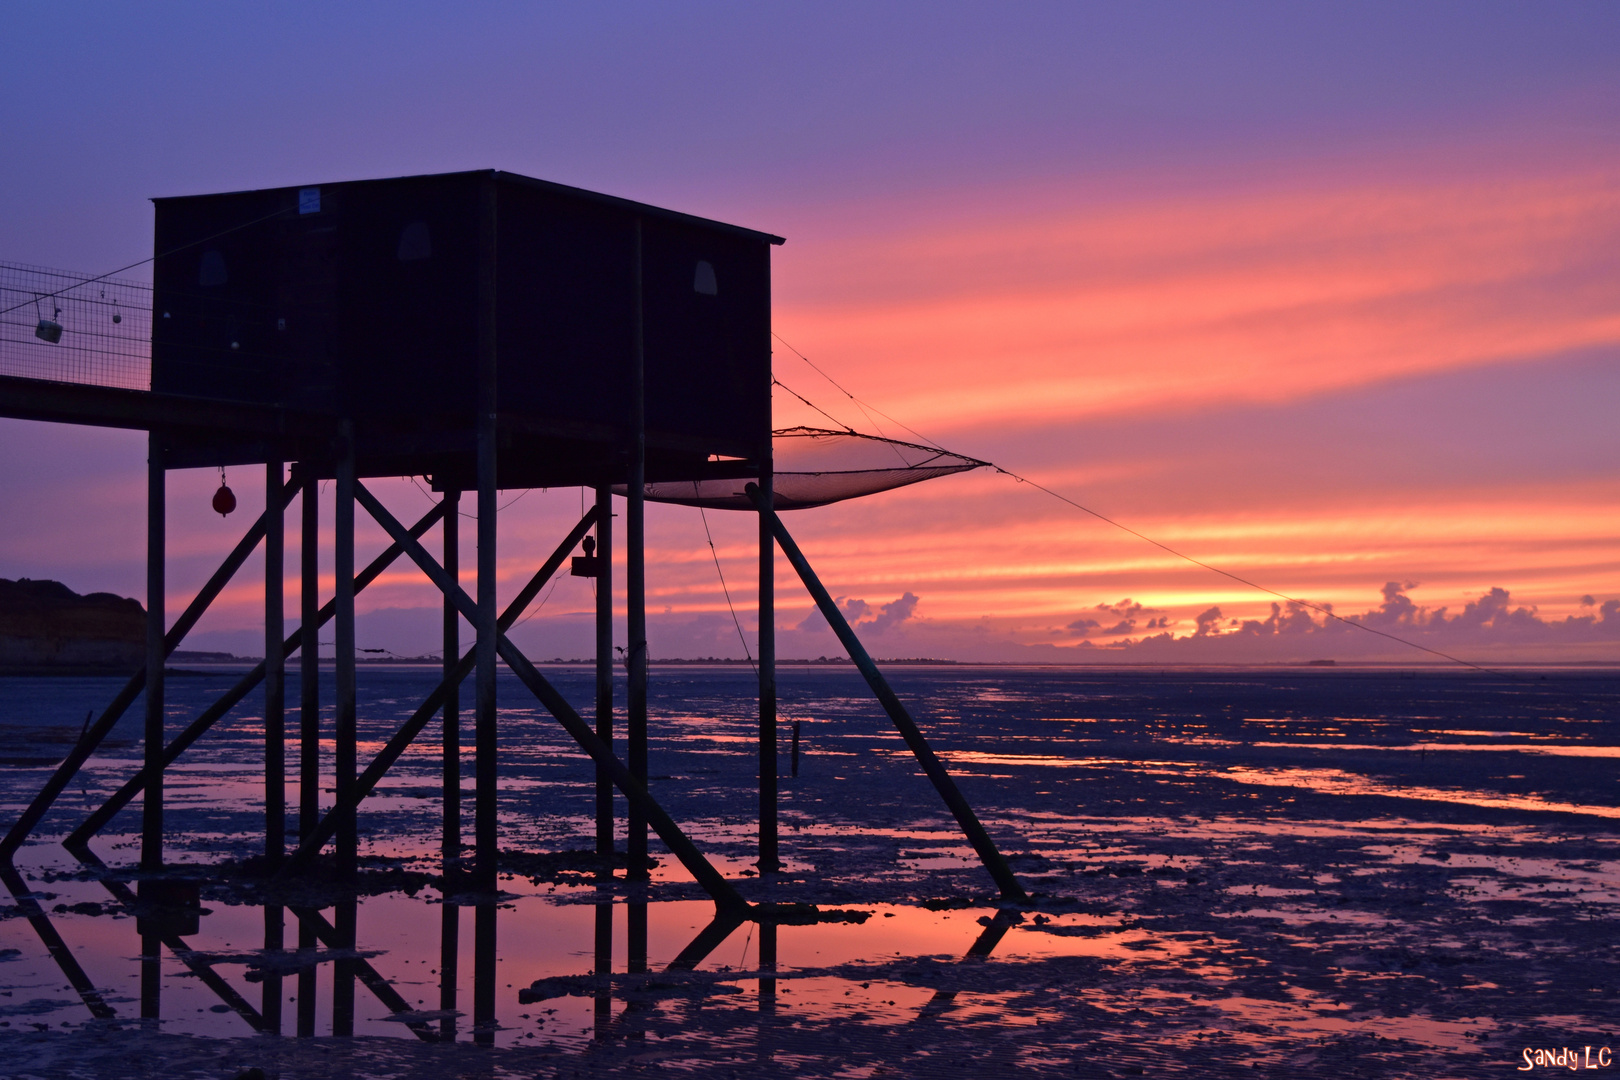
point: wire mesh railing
(76, 328)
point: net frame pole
(275, 734)
(988, 853)
(486, 824)
(275, 685)
(47, 796)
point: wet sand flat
(1234, 872)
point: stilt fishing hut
(486, 331)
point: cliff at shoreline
(46, 627)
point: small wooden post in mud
(344, 736)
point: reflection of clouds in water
(1337, 782)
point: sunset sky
(1324, 295)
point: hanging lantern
(224, 498)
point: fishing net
(69, 327)
(815, 467)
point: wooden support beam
(604, 672)
(344, 733)
(93, 736)
(635, 580)
(721, 890)
(486, 826)
(407, 733)
(988, 853)
(275, 747)
(152, 800)
(450, 749)
(244, 686)
(769, 862)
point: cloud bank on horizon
(1324, 297)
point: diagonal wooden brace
(408, 732)
(719, 889)
(988, 853)
(36, 810)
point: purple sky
(1101, 210)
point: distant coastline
(48, 629)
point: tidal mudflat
(1236, 872)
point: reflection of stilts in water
(358, 419)
(484, 1025)
(765, 1048)
(449, 947)
(635, 959)
(638, 1004)
(982, 946)
(274, 940)
(55, 946)
(602, 969)
(165, 910)
(165, 914)
(362, 970)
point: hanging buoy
(224, 498)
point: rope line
(778, 382)
(852, 397)
(715, 555)
(1328, 612)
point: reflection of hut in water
(486, 331)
